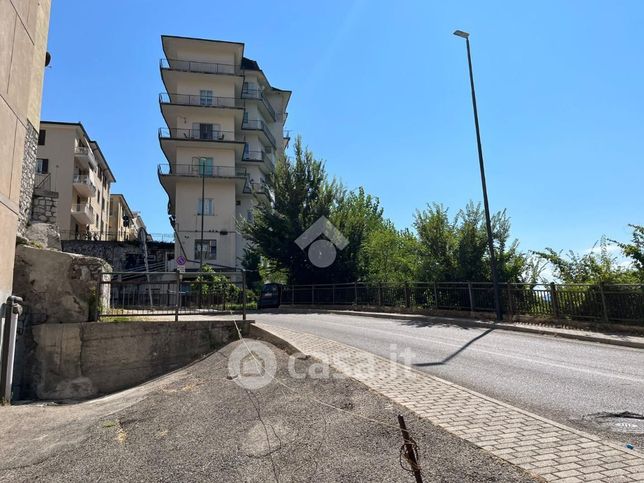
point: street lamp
(488, 223)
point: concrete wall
(76, 361)
(120, 255)
(23, 40)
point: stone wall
(44, 206)
(28, 177)
(77, 361)
(58, 287)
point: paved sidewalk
(625, 340)
(543, 447)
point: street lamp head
(460, 33)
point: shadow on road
(455, 353)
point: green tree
(635, 250)
(302, 193)
(437, 238)
(598, 265)
(389, 255)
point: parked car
(270, 296)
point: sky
(381, 93)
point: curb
(475, 323)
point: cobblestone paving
(543, 447)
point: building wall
(23, 40)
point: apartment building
(71, 164)
(23, 41)
(125, 224)
(224, 131)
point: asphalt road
(561, 379)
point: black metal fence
(600, 302)
(126, 294)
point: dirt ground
(196, 424)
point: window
(208, 247)
(245, 117)
(41, 137)
(205, 98)
(208, 207)
(42, 166)
(203, 166)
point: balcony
(206, 136)
(258, 95)
(198, 67)
(200, 100)
(198, 171)
(83, 213)
(259, 157)
(85, 156)
(84, 185)
(259, 125)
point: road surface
(561, 379)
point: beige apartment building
(224, 131)
(24, 27)
(72, 165)
(125, 224)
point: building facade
(73, 166)
(224, 132)
(125, 224)
(24, 27)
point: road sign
(181, 268)
(181, 260)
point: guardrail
(259, 95)
(259, 125)
(201, 171)
(598, 302)
(200, 100)
(199, 134)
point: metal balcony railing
(259, 125)
(83, 208)
(260, 156)
(199, 134)
(198, 66)
(198, 171)
(259, 95)
(85, 180)
(85, 151)
(200, 100)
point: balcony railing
(199, 134)
(196, 170)
(85, 151)
(259, 156)
(199, 100)
(85, 179)
(259, 95)
(83, 209)
(260, 126)
(199, 67)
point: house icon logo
(252, 365)
(322, 252)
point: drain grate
(622, 422)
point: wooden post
(554, 300)
(410, 451)
(604, 306)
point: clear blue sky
(380, 91)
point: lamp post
(488, 223)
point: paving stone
(546, 448)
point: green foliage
(213, 283)
(389, 255)
(598, 265)
(635, 250)
(251, 261)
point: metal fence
(125, 294)
(600, 302)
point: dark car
(270, 296)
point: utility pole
(488, 223)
